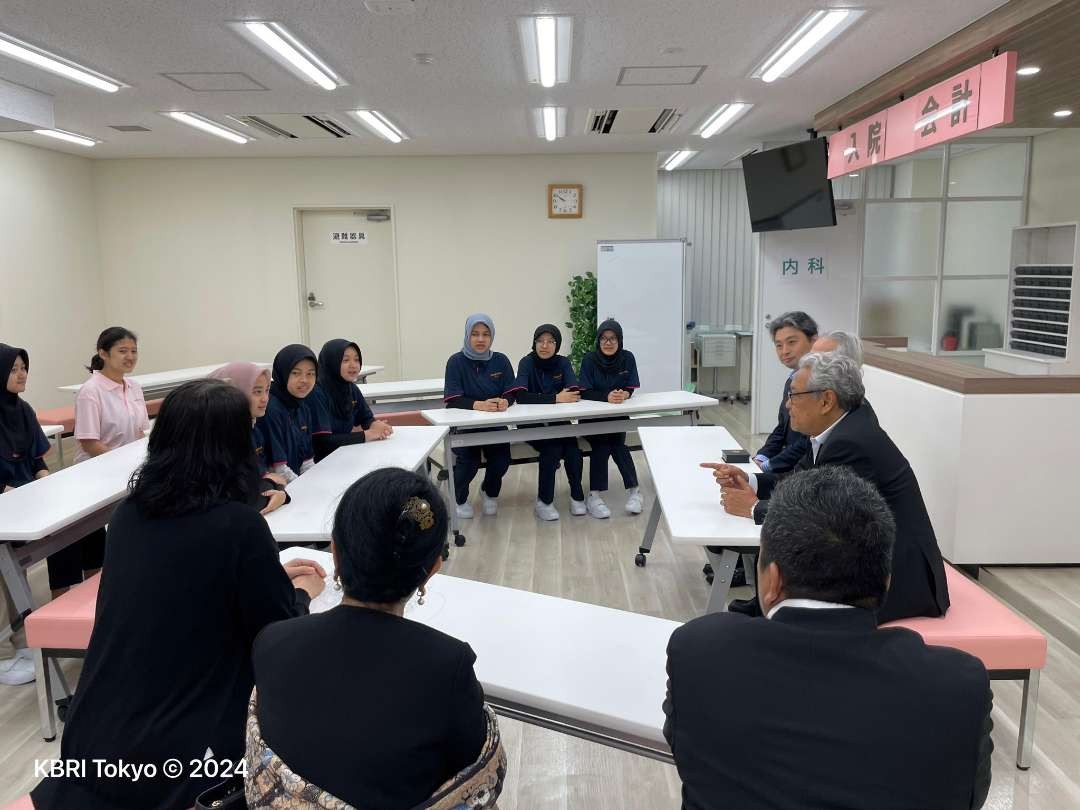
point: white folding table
(579, 669)
(689, 499)
(159, 383)
(308, 518)
(404, 395)
(55, 432)
(527, 423)
(50, 513)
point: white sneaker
(464, 511)
(633, 501)
(18, 669)
(596, 507)
(577, 508)
(491, 505)
(546, 511)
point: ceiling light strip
(380, 125)
(64, 135)
(208, 126)
(678, 159)
(812, 35)
(723, 118)
(24, 52)
(276, 37)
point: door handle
(313, 302)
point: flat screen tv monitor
(788, 188)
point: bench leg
(1028, 710)
(46, 708)
(723, 569)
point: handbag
(227, 795)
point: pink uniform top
(111, 412)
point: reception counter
(996, 454)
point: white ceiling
(473, 98)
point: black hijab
(552, 362)
(617, 361)
(284, 363)
(338, 390)
(17, 419)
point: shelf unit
(1043, 334)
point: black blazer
(405, 709)
(819, 708)
(785, 446)
(918, 585)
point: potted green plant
(582, 323)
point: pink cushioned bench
(22, 803)
(60, 629)
(1009, 647)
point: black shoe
(747, 607)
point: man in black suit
(792, 334)
(814, 706)
(825, 402)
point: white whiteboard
(641, 285)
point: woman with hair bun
(360, 706)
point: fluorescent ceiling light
(550, 122)
(724, 117)
(70, 137)
(206, 125)
(546, 44)
(1062, 113)
(380, 125)
(928, 120)
(294, 53)
(24, 52)
(815, 32)
(1030, 70)
(678, 159)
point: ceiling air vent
(128, 128)
(294, 125)
(637, 121)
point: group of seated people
(202, 646)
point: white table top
(599, 666)
(402, 388)
(51, 431)
(177, 377)
(52, 503)
(689, 496)
(315, 494)
(655, 402)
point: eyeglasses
(800, 393)
(609, 341)
(545, 342)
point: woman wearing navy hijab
(341, 413)
(548, 378)
(288, 421)
(479, 379)
(609, 374)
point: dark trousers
(605, 446)
(552, 451)
(467, 464)
(67, 565)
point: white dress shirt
(813, 604)
(816, 443)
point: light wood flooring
(593, 561)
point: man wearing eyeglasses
(824, 402)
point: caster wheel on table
(446, 552)
(639, 560)
(707, 571)
(709, 578)
(459, 540)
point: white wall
(50, 274)
(1055, 178)
(199, 256)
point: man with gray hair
(825, 402)
(844, 343)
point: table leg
(650, 533)
(15, 579)
(723, 568)
(451, 495)
(60, 449)
(750, 569)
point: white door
(349, 285)
(828, 292)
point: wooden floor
(593, 561)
